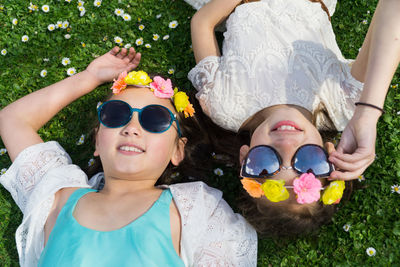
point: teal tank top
(144, 242)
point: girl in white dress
(282, 77)
(68, 222)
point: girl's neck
(254, 121)
(120, 186)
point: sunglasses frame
(324, 175)
(138, 110)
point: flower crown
(160, 87)
(306, 187)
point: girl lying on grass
(129, 222)
(282, 78)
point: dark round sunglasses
(264, 161)
(152, 118)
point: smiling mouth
(286, 126)
(126, 148)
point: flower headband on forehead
(306, 187)
(160, 87)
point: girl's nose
(133, 127)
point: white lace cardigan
(212, 234)
(276, 52)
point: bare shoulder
(60, 198)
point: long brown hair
(323, 6)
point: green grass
(373, 211)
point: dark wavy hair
(197, 151)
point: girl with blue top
(129, 222)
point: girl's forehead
(139, 97)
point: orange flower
(188, 111)
(119, 84)
(252, 187)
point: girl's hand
(356, 149)
(110, 65)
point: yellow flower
(274, 190)
(181, 100)
(333, 193)
(137, 78)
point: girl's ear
(243, 152)
(179, 153)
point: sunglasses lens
(115, 114)
(311, 158)
(155, 119)
(261, 161)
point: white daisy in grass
(139, 41)
(81, 8)
(141, 27)
(370, 251)
(361, 178)
(25, 38)
(65, 61)
(65, 24)
(71, 71)
(127, 46)
(82, 11)
(3, 171)
(33, 7)
(171, 71)
(68, 1)
(173, 24)
(43, 73)
(81, 140)
(218, 172)
(365, 22)
(59, 24)
(158, 16)
(46, 59)
(51, 27)
(83, 44)
(91, 162)
(126, 17)
(118, 40)
(14, 21)
(119, 12)
(139, 19)
(67, 36)
(80, 3)
(147, 45)
(346, 227)
(97, 3)
(395, 188)
(3, 151)
(156, 37)
(165, 37)
(3, 52)
(45, 8)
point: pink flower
(307, 188)
(162, 88)
(119, 84)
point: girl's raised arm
(375, 66)
(203, 23)
(20, 121)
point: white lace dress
(276, 52)
(212, 234)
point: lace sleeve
(29, 167)
(331, 5)
(339, 94)
(228, 241)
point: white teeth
(130, 148)
(286, 127)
